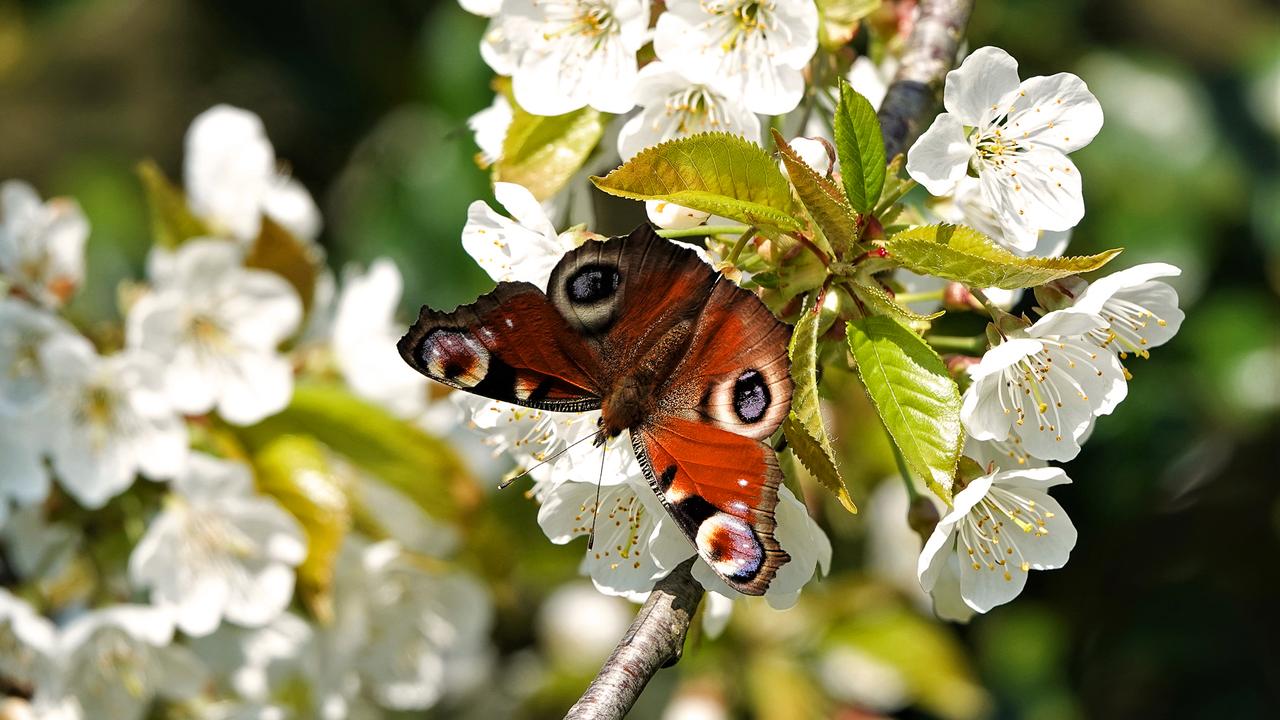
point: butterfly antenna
(507, 483)
(591, 538)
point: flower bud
(669, 216)
(817, 153)
(922, 516)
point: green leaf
(917, 400)
(277, 250)
(172, 222)
(295, 470)
(543, 152)
(718, 173)
(804, 428)
(415, 463)
(875, 297)
(960, 253)
(860, 149)
(896, 185)
(824, 201)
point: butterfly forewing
(509, 345)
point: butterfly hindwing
(721, 488)
(510, 345)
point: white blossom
(256, 663)
(232, 180)
(24, 380)
(483, 8)
(578, 627)
(1001, 526)
(216, 325)
(108, 419)
(818, 154)
(218, 550)
(870, 80)
(1015, 136)
(670, 216)
(41, 244)
(111, 663)
(676, 107)
(490, 127)
(753, 49)
(24, 480)
(574, 53)
(969, 206)
(523, 247)
(27, 640)
(1140, 311)
(1043, 385)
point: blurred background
(1168, 606)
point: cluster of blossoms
(203, 606)
(997, 160)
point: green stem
(960, 344)
(732, 259)
(904, 298)
(992, 309)
(703, 230)
(901, 462)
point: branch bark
(656, 637)
(654, 640)
(929, 53)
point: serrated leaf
(279, 251)
(719, 173)
(804, 427)
(543, 152)
(172, 222)
(860, 149)
(916, 398)
(417, 464)
(895, 187)
(824, 201)
(960, 253)
(883, 303)
(295, 470)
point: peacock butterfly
(694, 368)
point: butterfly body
(692, 367)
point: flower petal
(939, 159)
(1057, 111)
(975, 89)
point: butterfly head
(624, 407)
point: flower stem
(960, 344)
(703, 230)
(732, 259)
(903, 471)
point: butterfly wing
(705, 453)
(512, 345)
(721, 488)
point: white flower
(574, 53)
(107, 420)
(1007, 454)
(41, 244)
(670, 216)
(364, 341)
(1002, 526)
(27, 640)
(1141, 312)
(526, 248)
(418, 635)
(258, 662)
(871, 81)
(818, 154)
(216, 325)
(218, 550)
(968, 205)
(24, 480)
(490, 127)
(1015, 136)
(755, 49)
(1043, 385)
(676, 107)
(232, 180)
(24, 380)
(579, 627)
(483, 8)
(111, 663)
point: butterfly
(691, 366)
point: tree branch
(656, 637)
(928, 54)
(654, 640)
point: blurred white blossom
(24, 380)
(27, 640)
(1001, 527)
(108, 419)
(1015, 135)
(215, 325)
(232, 180)
(218, 550)
(41, 244)
(754, 50)
(490, 127)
